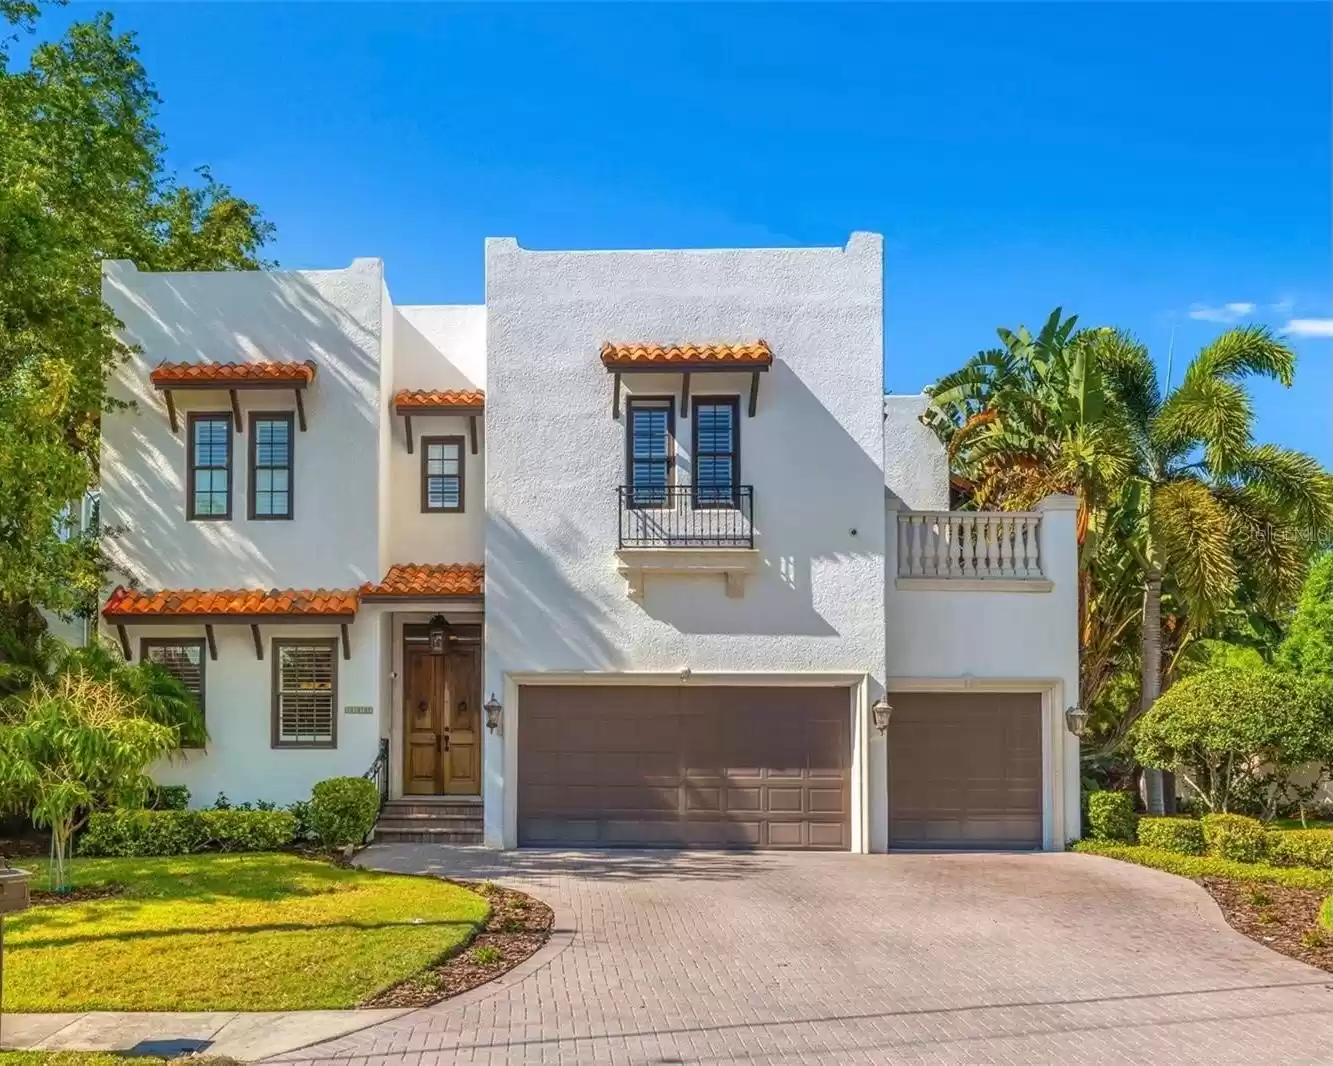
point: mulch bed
(519, 924)
(1284, 919)
(83, 894)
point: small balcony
(1000, 550)
(686, 531)
(687, 516)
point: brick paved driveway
(781, 958)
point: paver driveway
(782, 958)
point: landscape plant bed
(518, 926)
(1279, 917)
(82, 894)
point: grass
(229, 932)
(1295, 823)
(1207, 866)
(100, 1058)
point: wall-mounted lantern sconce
(1076, 720)
(493, 713)
(880, 711)
(439, 635)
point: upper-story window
(208, 486)
(271, 443)
(717, 451)
(650, 450)
(441, 474)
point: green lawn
(230, 932)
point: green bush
(1111, 815)
(1234, 836)
(1184, 836)
(131, 834)
(300, 810)
(169, 798)
(1301, 847)
(343, 810)
(1208, 866)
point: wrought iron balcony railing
(687, 516)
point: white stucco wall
(437, 348)
(814, 454)
(332, 317)
(916, 466)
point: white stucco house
(637, 553)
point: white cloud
(1310, 327)
(1226, 313)
(1284, 306)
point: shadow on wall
(224, 317)
(807, 498)
(535, 618)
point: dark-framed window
(183, 658)
(208, 480)
(272, 462)
(305, 693)
(717, 451)
(441, 475)
(650, 449)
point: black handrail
(686, 516)
(379, 772)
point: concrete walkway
(245, 1035)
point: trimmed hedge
(1184, 836)
(1111, 815)
(1301, 847)
(1196, 866)
(1234, 836)
(132, 834)
(343, 810)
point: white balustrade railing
(969, 544)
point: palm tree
(1214, 516)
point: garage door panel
(704, 766)
(965, 770)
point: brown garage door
(697, 766)
(965, 770)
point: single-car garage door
(684, 766)
(965, 770)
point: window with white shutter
(183, 659)
(305, 693)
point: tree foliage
(82, 179)
(1308, 645)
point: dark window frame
(734, 402)
(251, 491)
(276, 646)
(192, 419)
(459, 442)
(147, 643)
(654, 403)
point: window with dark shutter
(271, 442)
(717, 452)
(441, 474)
(183, 659)
(650, 426)
(305, 693)
(209, 480)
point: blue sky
(1140, 164)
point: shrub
(1196, 866)
(169, 798)
(343, 810)
(1184, 836)
(1234, 836)
(1111, 816)
(1301, 847)
(131, 834)
(300, 810)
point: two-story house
(637, 553)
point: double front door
(442, 712)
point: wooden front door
(442, 719)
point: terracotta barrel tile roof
(429, 581)
(683, 356)
(437, 399)
(133, 603)
(183, 374)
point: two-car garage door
(684, 766)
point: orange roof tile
(126, 603)
(682, 356)
(437, 399)
(428, 581)
(178, 375)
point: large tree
(82, 179)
